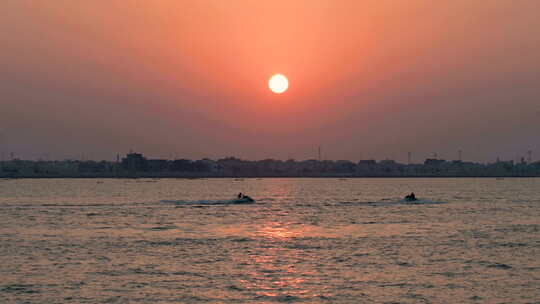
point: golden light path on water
(275, 269)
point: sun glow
(278, 83)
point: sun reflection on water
(278, 269)
(277, 230)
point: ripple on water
(19, 288)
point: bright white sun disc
(278, 83)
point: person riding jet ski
(242, 198)
(411, 197)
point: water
(304, 240)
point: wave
(393, 202)
(64, 205)
(420, 202)
(206, 202)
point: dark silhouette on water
(411, 197)
(242, 198)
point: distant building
(210, 165)
(388, 162)
(434, 162)
(369, 162)
(135, 162)
(158, 165)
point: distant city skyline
(365, 79)
(138, 165)
(528, 156)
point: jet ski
(244, 199)
(410, 198)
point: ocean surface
(302, 241)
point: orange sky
(189, 78)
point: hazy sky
(172, 78)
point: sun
(278, 83)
